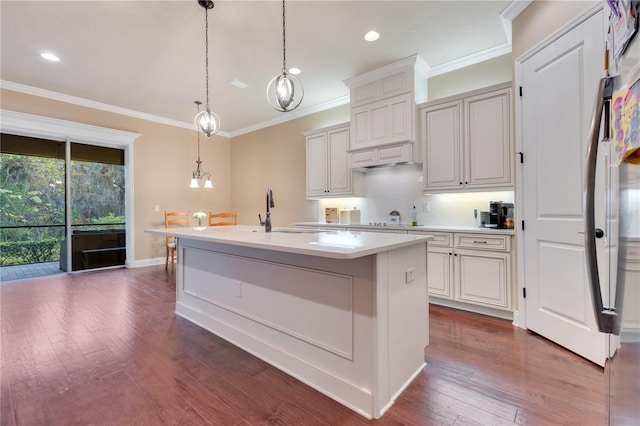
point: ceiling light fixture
(198, 173)
(294, 71)
(50, 57)
(282, 93)
(206, 121)
(371, 36)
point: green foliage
(32, 194)
(21, 252)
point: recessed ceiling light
(50, 57)
(294, 71)
(371, 36)
(237, 83)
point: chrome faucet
(270, 204)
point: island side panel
(402, 320)
(309, 316)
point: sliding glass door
(51, 191)
(97, 183)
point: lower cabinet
(483, 278)
(470, 268)
(465, 270)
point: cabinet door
(401, 118)
(317, 164)
(440, 272)
(442, 154)
(483, 278)
(382, 122)
(487, 139)
(339, 174)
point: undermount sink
(295, 231)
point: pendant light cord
(284, 42)
(206, 52)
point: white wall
(400, 188)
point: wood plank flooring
(105, 348)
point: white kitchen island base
(354, 329)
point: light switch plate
(409, 276)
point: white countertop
(338, 244)
(407, 227)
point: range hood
(383, 114)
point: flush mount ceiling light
(371, 36)
(198, 173)
(50, 57)
(285, 91)
(206, 121)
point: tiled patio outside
(32, 270)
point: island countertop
(336, 244)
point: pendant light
(285, 91)
(198, 173)
(206, 121)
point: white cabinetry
(467, 140)
(383, 112)
(472, 269)
(328, 172)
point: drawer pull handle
(479, 242)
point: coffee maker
(495, 215)
(500, 215)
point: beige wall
(487, 73)
(275, 157)
(541, 19)
(164, 157)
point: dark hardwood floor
(105, 348)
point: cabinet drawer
(484, 242)
(440, 239)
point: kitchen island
(344, 312)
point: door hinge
(520, 91)
(524, 292)
(523, 225)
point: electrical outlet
(409, 275)
(156, 208)
(426, 206)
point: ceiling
(146, 58)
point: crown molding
(473, 59)
(293, 115)
(74, 100)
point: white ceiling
(148, 56)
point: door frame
(22, 124)
(519, 315)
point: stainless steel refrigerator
(612, 237)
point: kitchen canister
(354, 216)
(344, 217)
(394, 217)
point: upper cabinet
(467, 140)
(383, 105)
(328, 172)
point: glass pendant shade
(207, 122)
(194, 183)
(208, 184)
(285, 92)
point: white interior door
(559, 85)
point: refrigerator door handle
(606, 317)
